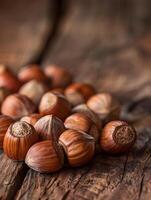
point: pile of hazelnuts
(46, 118)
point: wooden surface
(106, 43)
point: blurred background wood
(25, 26)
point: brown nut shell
(5, 122)
(19, 138)
(57, 91)
(83, 108)
(45, 157)
(79, 93)
(81, 122)
(34, 90)
(60, 77)
(8, 79)
(117, 137)
(55, 104)
(31, 119)
(79, 147)
(105, 105)
(17, 106)
(4, 92)
(49, 127)
(31, 72)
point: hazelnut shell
(78, 93)
(105, 105)
(31, 72)
(117, 137)
(31, 119)
(55, 104)
(19, 137)
(81, 122)
(60, 77)
(17, 106)
(49, 127)
(79, 147)
(5, 122)
(45, 157)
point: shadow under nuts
(49, 127)
(79, 93)
(79, 147)
(5, 122)
(19, 138)
(45, 157)
(105, 105)
(17, 106)
(81, 122)
(117, 137)
(55, 104)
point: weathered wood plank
(100, 46)
(106, 177)
(99, 39)
(24, 29)
(12, 175)
(86, 182)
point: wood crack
(124, 169)
(59, 9)
(83, 48)
(143, 176)
(14, 174)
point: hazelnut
(58, 91)
(8, 79)
(33, 90)
(5, 122)
(81, 122)
(31, 119)
(31, 72)
(83, 108)
(55, 104)
(60, 77)
(117, 137)
(79, 93)
(105, 105)
(19, 137)
(4, 92)
(49, 127)
(45, 157)
(17, 106)
(79, 147)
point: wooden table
(106, 43)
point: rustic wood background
(106, 43)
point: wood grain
(24, 29)
(104, 178)
(12, 175)
(108, 49)
(97, 45)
